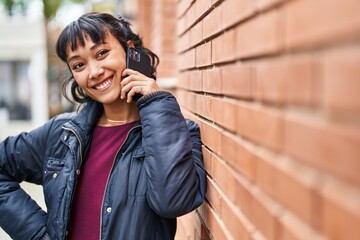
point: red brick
(326, 21)
(203, 55)
(217, 226)
(260, 36)
(180, 26)
(213, 195)
(239, 155)
(235, 11)
(196, 34)
(236, 188)
(262, 125)
(258, 236)
(195, 80)
(341, 79)
(295, 229)
(211, 136)
(341, 210)
(239, 226)
(191, 16)
(182, 6)
(187, 60)
(288, 80)
(289, 183)
(327, 146)
(215, 2)
(203, 106)
(264, 4)
(202, 6)
(223, 47)
(213, 22)
(207, 158)
(183, 80)
(183, 42)
(187, 99)
(264, 214)
(212, 80)
(224, 113)
(237, 81)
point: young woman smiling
(119, 168)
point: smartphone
(138, 60)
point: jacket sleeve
(21, 159)
(173, 157)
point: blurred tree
(51, 7)
(10, 5)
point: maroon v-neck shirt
(86, 208)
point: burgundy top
(86, 207)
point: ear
(129, 43)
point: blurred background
(273, 84)
(30, 72)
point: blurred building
(23, 64)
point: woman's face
(97, 68)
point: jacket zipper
(69, 129)
(72, 194)
(107, 181)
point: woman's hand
(134, 82)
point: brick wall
(275, 87)
(156, 23)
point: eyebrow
(92, 48)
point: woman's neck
(119, 114)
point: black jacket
(158, 174)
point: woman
(118, 168)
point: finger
(133, 91)
(128, 72)
(125, 88)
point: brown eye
(102, 53)
(77, 66)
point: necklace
(116, 121)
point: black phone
(138, 60)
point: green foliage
(10, 4)
(50, 8)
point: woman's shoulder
(64, 117)
(59, 120)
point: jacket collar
(86, 119)
(84, 122)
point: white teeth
(103, 85)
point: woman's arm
(173, 158)
(21, 159)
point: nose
(95, 71)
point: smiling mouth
(103, 85)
